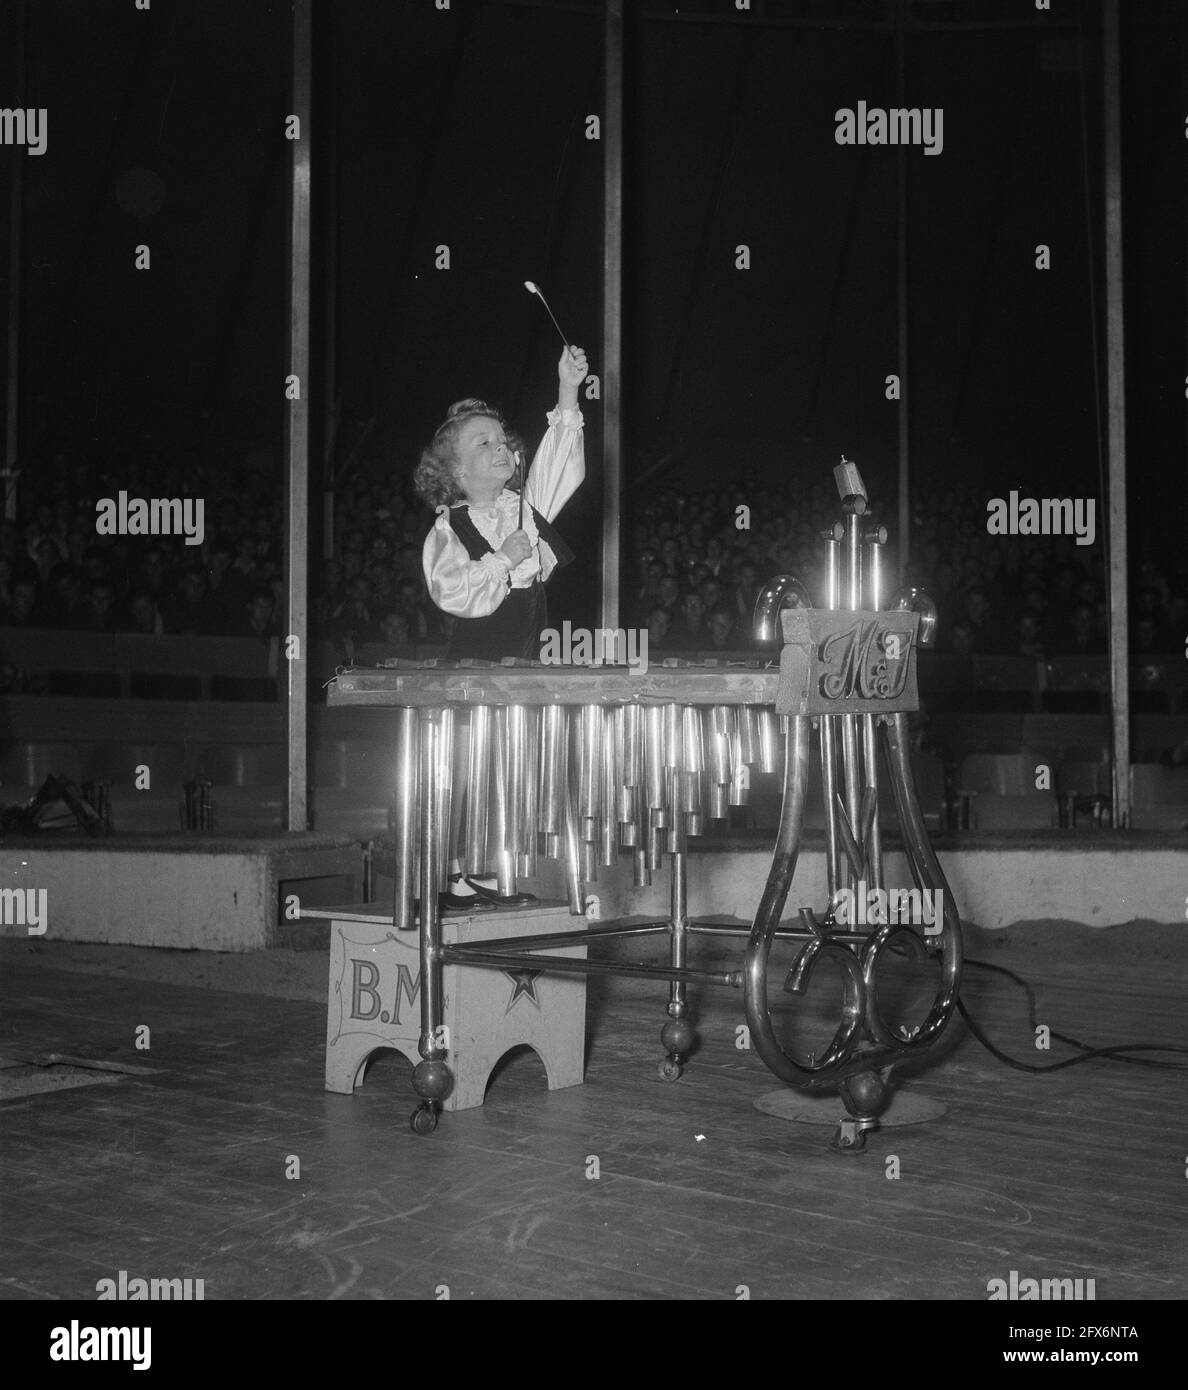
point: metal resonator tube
(918, 601)
(784, 591)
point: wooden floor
(182, 1173)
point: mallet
(534, 288)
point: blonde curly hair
(435, 479)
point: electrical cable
(1087, 1053)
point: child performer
(483, 565)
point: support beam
(328, 226)
(1116, 415)
(904, 537)
(12, 396)
(16, 224)
(612, 312)
(297, 429)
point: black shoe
(493, 895)
(462, 902)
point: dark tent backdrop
(468, 128)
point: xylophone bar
(577, 763)
(438, 684)
(589, 797)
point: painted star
(525, 984)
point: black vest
(515, 627)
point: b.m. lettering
(365, 979)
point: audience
(692, 571)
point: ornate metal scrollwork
(848, 670)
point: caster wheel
(423, 1120)
(849, 1139)
(671, 1069)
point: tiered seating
(204, 707)
(1005, 791)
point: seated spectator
(1081, 638)
(715, 556)
(77, 541)
(394, 629)
(1177, 620)
(1029, 634)
(659, 623)
(244, 566)
(410, 561)
(1146, 636)
(746, 591)
(190, 611)
(140, 614)
(722, 631)
(690, 633)
(96, 566)
(25, 608)
(961, 641)
(410, 601)
(1148, 611)
(226, 589)
(383, 589)
(12, 681)
(647, 595)
(154, 573)
(983, 622)
(712, 594)
(329, 597)
(65, 597)
(258, 616)
(355, 620)
(99, 609)
(48, 555)
(669, 597)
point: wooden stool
(373, 999)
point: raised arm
(560, 463)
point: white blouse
(475, 588)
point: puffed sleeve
(560, 464)
(457, 584)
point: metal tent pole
(1116, 416)
(16, 166)
(297, 431)
(901, 366)
(612, 311)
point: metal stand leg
(405, 817)
(677, 1035)
(865, 1096)
(432, 1077)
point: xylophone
(585, 764)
